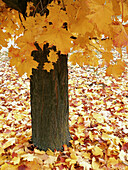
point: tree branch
(17, 5)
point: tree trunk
(49, 103)
(49, 94)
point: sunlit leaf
(48, 66)
(53, 57)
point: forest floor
(98, 122)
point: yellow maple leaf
(122, 155)
(15, 160)
(117, 69)
(105, 136)
(10, 142)
(7, 166)
(72, 10)
(82, 40)
(78, 22)
(101, 13)
(86, 155)
(107, 56)
(48, 66)
(28, 157)
(58, 37)
(97, 151)
(57, 15)
(3, 38)
(33, 165)
(37, 151)
(93, 61)
(125, 10)
(119, 50)
(95, 165)
(112, 161)
(32, 24)
(91, 135)
(116, 7)
(49, 152)
(25, 39)
(13, 52)
(30, 7)
(24, 64)
(2, 160)
(120, 37)
(81, 26)
(106, 44)
(99, 118)
(51, 159)
(1, 150)
(73, 156)
(77, 58)
(53, 57)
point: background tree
(47, 32)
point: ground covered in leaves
(98, 122)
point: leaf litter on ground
(98, 122)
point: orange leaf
(120, 38)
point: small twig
(96, 48)
(125, 163)
(63, 4)
(21, 20)
(41, 5)
(36, 8)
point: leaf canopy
(88, 27)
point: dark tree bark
(49, 103)
(19, 5)
(44, 2)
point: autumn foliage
(85, 28)
(92, 33)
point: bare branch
(41, 5)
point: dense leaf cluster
(91, 28)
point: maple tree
(48, 33)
